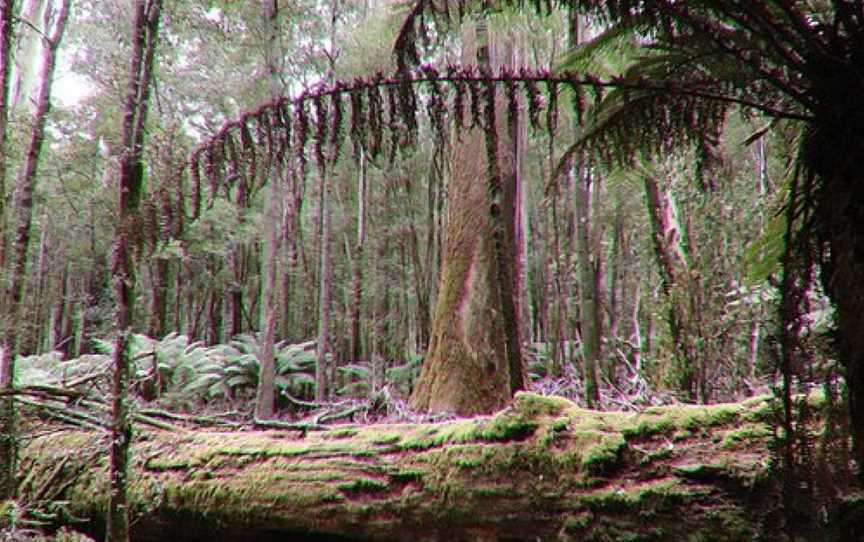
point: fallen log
(543, 469)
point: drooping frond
(775, 42)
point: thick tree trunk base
(543, 469)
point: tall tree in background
(325, 276)
(145, 31)
(474, 363)
(53, 24)
(265, 400)
(589, 255)
(7, 405)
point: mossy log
(542, 469)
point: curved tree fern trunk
(843, 280)
(474, 363)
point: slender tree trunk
(356, 346)
(265, 400)
(8, 442)
(215, 315)
(325, 271)
(131, 179)
(7, 9)
(674, 274)
(289, 241)
(584, 226)
(237, 294)
(40, 335)
(61, 314)
(323, 345)
(54, 25)
(588, 302)
(161, 287)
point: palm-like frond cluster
(183, 376)
(178, 373)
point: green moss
(578, 523)
(425, 438)
(642, 498)
(407, 475)
(386, 439)
(700, 472)
(681, 434)
(682, 420)
(346, 432)
(644, 428)
(364, 485)
(604, 455)
(469, 462)
(744, 435)
(657, 455)
(491, 491)
(533, 405)
(559, 424)
(506, 427)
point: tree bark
(474, 362)
(8, 444)
(124, 265)
(7, 10)
(323, 345)
(590, 332)
(842, 269)
(325, 268)
(541, 470)
(675, 273)
(265, 399)
(356, 342)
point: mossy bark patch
(543, 468)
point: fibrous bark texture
(543, 469)
(474, 363)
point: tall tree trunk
(586, 256)
(124, 267)
(7, 9)
(8, 444)
(674, 272)
(54, 24)
(356, 346)
(62, 311)
(23, 79)
(215, 315)
(265, 400)
(588, 293)
(323, 345)
(474, 362)
(840, 214)
(161, 287)
(324, 253)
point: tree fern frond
(606, 55)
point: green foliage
(358, 378)
(402, 377)
(233, 370)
